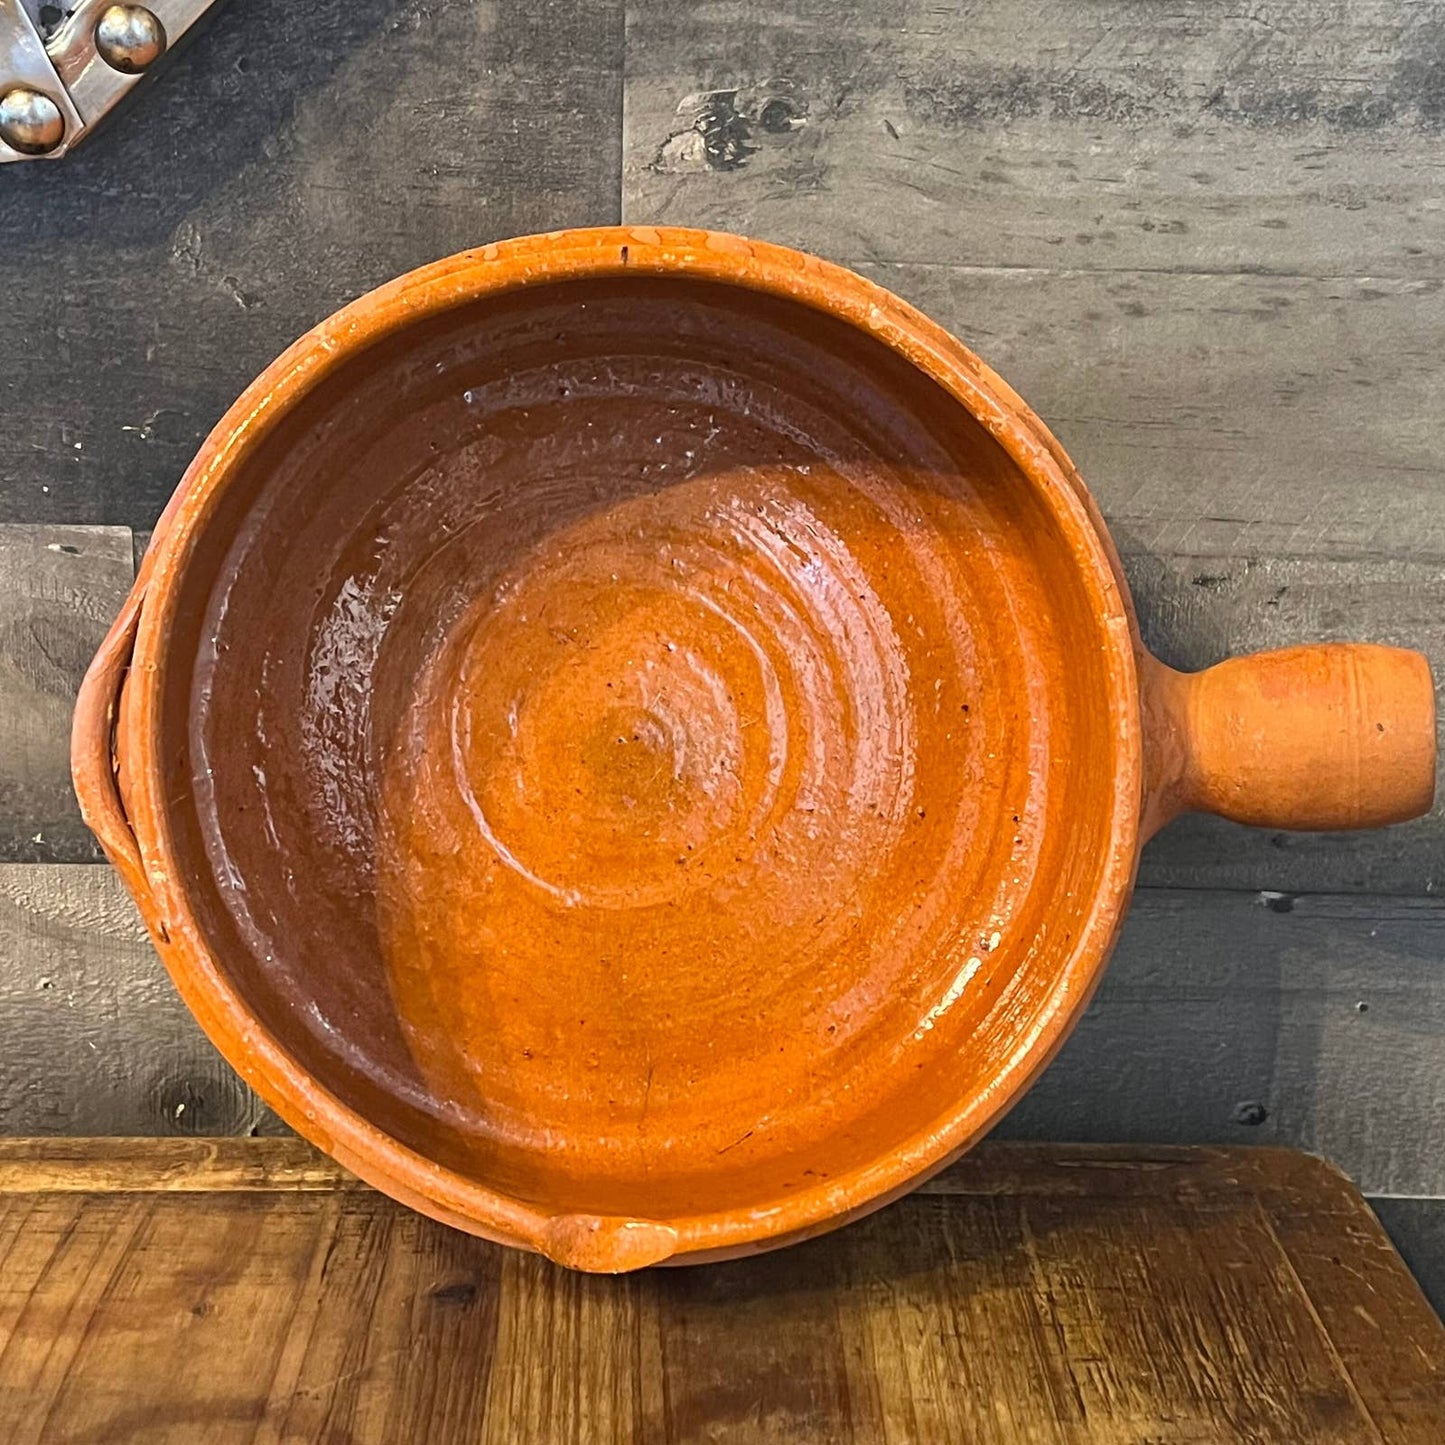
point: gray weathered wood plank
(291, 158)
(1225, 1017)
(60, 587)
(1293, 137)
(93, 1037)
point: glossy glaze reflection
(657, 724)
(666, 782)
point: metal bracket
(60, 76)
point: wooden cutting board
(249, 1291)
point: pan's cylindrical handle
(1337, 735)
(95, 746)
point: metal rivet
(129, 38)
(30, 121)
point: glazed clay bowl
(636, 743)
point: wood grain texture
(87, 1165)
(1417, 1229)
(1035, 1294)
(93, 1038)
(60, 587)
(288, 160)
(1297, 138)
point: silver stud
(129, 38)
(30, 121)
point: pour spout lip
(606, 1244)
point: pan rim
(301, 1100)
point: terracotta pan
(636, 742)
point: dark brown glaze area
(636, 735)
